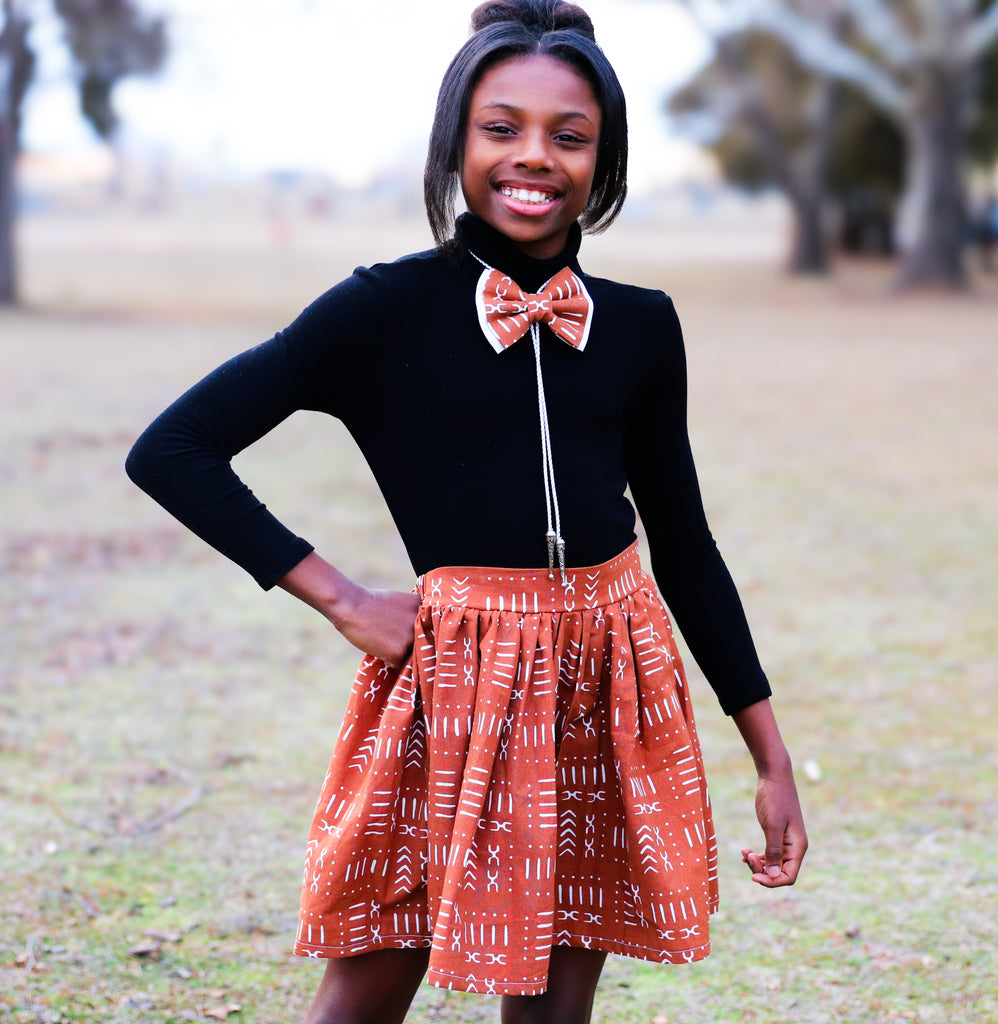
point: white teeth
(524, 195)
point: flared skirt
(530, 778)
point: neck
(492, 247)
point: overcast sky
(346, 88)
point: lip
(528, 208)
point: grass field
(164, 725)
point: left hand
(778, 808)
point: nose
(534, 152)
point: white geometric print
(530, 778)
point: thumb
(774, 849)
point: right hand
(379, 622)
(778, 809)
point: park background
(164, 726)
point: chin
(548, 236)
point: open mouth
(526, 195)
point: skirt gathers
(531, 778)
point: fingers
(398, 659)
(795, 848)
(779, 813)
(773, 877)
(780, 868)
(754, 862)
(394, 651)
(768, 875)
(774, 850)
(382, 623)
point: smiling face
(530, 151)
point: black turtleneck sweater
(451, 432)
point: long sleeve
(690, 572)
(183, 459)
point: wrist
(342, 600)
(775, 764)
(759, 730)
(324, 588)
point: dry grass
(164, 726)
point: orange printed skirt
(531, 778)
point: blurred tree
(770, 121)
(867, 176)
(919, 62)
(16, 67)
(767, 120)
(984, 155)
(108, 40)
(983, 135)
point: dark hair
(515, 28)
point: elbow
(133, 464)
(139, 464)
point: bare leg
(572, 981)
(373, 988)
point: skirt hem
(533, 767)
(462, 983)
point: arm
(689, 570)
(379, 622)
(183, 460)
(700, 593)
(776, 803)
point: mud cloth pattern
(532, 777)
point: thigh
(572, 980)
(373, 988)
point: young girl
(517, 787)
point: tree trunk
(8, 264)
(937, 191)
(8, 156)
(805, 181)
(809, 252)
(809, 193)
(16, 66)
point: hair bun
(547, 15)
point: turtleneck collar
(479, 237)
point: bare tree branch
(6, 74)
(145, 827)
(981, 34)
(718, 17)
(139, 828)
(881, 26)
(914, 59)
(818, 48)
(928, 13)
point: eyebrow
(567, 115)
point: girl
(517, 788)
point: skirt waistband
(531, 590)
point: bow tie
(506, 312)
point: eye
(571, 138)
(497, 129)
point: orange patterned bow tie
(506, 312)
